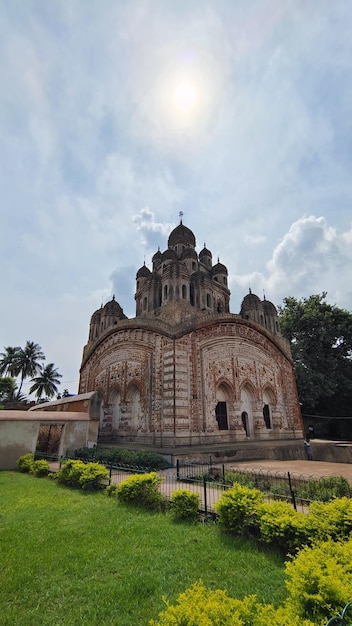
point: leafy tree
(65, 394)
(29, 359)
(9, 361)
(321, 343)
(7, 389)
(46, 382)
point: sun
(185, 97)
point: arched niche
(268, 401)
(133, 399)
(223, 396)
(115, 408)
(247, 401)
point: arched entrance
(115, 408)
(267, 403)
(134, 406)
(247, 410)
(245, 424)
(222, 397)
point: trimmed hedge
(185, 504)
(141, 490)
(242, 511)
(138, 459)
(198, 606)
(88, 476)
(320, 580)
(40, 468)
(25, 462)
(238, 509)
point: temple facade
(184, 370)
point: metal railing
(210, 480)
(341, 620)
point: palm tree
(46, 381)
(29, 361)
(9, 361)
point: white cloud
(89, 142)
(311, 258)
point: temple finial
(180, 216)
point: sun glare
(185, 97)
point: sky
(115, 116)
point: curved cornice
(192, 324)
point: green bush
(282, 526)
(111, 490)
(324, 489)
(185, 504)
(130, 458)
(88, 476)
(320, 580)
(247, 480)
(70, 473)
(198, 606)
(330, 520)
(142, 490)
(40, 468)
(93, 477)
(25, 463)
(238, 509)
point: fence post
(223, 474)
(292, 492)
(205, 494)
(178, 469)
(110, 473)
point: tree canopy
(321, 343)
(27, 362)
(46, 382)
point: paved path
(316, 469)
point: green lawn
(71, 557)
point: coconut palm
(9, 361)
(29, 359)
(46, 382)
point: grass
(70, 557)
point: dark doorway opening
(221, 415)
(245, 422)
(266, 415)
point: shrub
(185, 504)
(320, 580)
(246, 480)
(238, 509)
(282, 526)
(330, 520)
(70, 473)
(324, 489)
(129, 458)
(25, 463)
(142, 490)
(198, 606)
(111, 490)
(93, 476)
(40, 468)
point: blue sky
(98, 153)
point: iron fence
(345, 619)
(210, 480)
